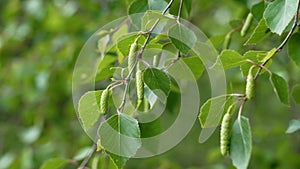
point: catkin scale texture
(250, 85)
(132, 55)
(139, 86)
(224, 134)
(104, 101)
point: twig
(139, 56)
(179, 11)
(279, 48)
(168, 7)
(173, 61)
(86, 160)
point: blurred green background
(39, 43)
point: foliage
(39, 44)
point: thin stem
(179, 12)
(258, 65)
(173, 61)
(237, 95)
(278, 49)
(86, 160)
(242, 107)
(139, 56)
(168, 7)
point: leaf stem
(179, 12)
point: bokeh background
(39, 43)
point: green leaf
(260, 32)
(182, 37)
(117, 161)
(212, 111)
(55, 163)
(195, 64)
(280, 87)
(241, 143)
(293, 48)
(120, 134)
(293, 126)
(158, 81)
(279, 13)
(139, 6)
(270, 54)
(88, 108)
(217, 40)
(258, 10)
(255, 56)
(296, 93)
(229, 59)
(104, 68)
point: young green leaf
(157, 81)
(182, 37)
(255, 56)
(88, 108)
(279, 13)
(212, 110)
(293, 48)
(258, 10)
(280, 87)
(270, 54)
(247, 24)
(241, 143)
(120, 138)
(296, 93)
(55, 163)
(139, 6)
(229, 59)
(260, 32)
(195, 64)
(293, 126)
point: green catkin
(156, 59)
(225, 131)
(247, 24)
(104, 101)
(227, 40)
(250, 84)
(132, 54)
(139, 86)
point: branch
(139, 57)
(279, 48)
